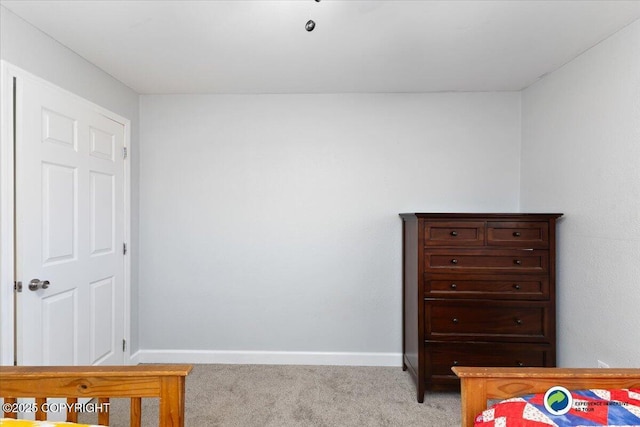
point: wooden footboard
(166, 382)
(479, 384)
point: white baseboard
(134, 359)
(267, 357)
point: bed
(165, 382)
(481, 384)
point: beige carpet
(275, 396)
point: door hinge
(124, 152)
(124, 345)
(17, 286)
(124, 249)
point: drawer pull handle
(518, 322)
(517, 262)
(455, 320)
(454, 286)
(516, 234)
(454, 233)
(454, 261)
(520, 363)
(516, 287)
(455, 363)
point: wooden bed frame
(165, 382)
(479, 384)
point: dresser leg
(421, 390)
(404, 366)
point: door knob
(36, 284)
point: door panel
(102, 320)
(58, 129)
(60, 328)
(59, 219)
(102, 213)
(102, 144)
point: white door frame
(7, 233)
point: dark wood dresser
(478, 290)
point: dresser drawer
(486, 261)
(527, 287)
(445, 355)
(530, 234)
(455, 233)
(486, 320)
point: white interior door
(70, 217)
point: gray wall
(26, 47)
(581, 156)
(270, 222)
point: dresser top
(503, 216)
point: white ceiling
(358, 46)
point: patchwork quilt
(613, 408)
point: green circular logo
(558, 400)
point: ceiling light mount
(311, 24)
